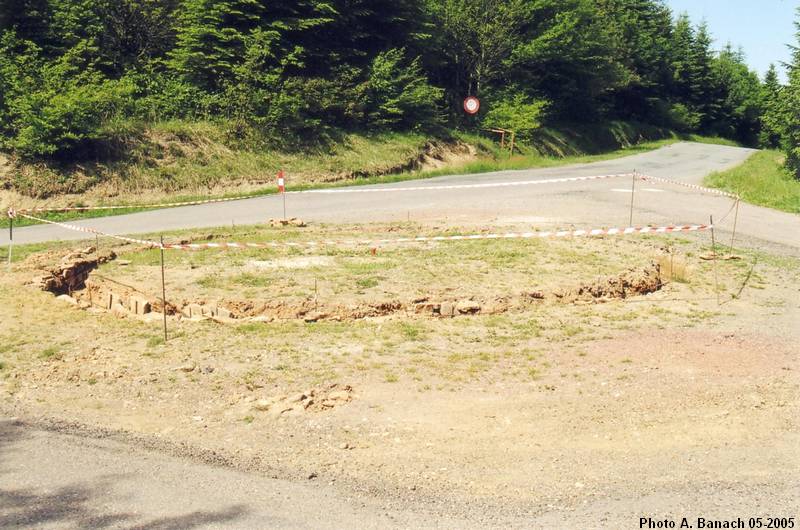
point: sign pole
(282, 190)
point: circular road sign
(472, 105)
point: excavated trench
(74, 275)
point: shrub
(53, 108)
(398, 95)
(682, 118)
(519, 113)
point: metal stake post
(633, 194)
(714, 257)
(163, 290)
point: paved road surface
(584, 204)
(51, 480)
(60, 481)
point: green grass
(714, 140)
(49, 352)
(761, 180)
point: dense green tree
(30, 19)
(476, 39)
(791, 109)
(703, 90)
(739, 97)
(642, 36)
(135, 32)
(282, 71)
(565, 55)
(772, 117)
(211, 39)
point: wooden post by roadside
(735, 221)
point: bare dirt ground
(546, 396)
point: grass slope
(761, 180)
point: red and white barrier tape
(131, 206)
(427, 239)
(690, 186)
(357, 242)
(336, 190)
(88, 230)
(470, 186)
(12, 213)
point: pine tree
(211, 39)
(681, 51)
(772, 117)
(642, 32)
(738, 95)
(704, 92)
(30, 19)
(791, 109)
(135, 32)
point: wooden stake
(163, 290)
(735, 221)
(10, 239)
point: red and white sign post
(282, 190)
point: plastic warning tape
(425, 239)
(88, 230)
(357, 242)
(470, 186)
(324, 191)
(132, 206)
(690, 186)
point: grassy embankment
(177, 161)
(761, 180)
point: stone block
(109, 299)
(140, 305)
(67, 298)
(447, 309)
(224, 313)
(193, 311)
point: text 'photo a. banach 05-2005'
(383, 264)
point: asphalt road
(53, 480)
(590, 204)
